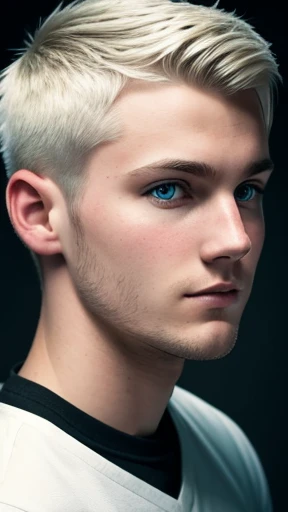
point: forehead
(180, 121)
(198, 107)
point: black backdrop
(250, 384)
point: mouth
(215, 299)
(212, 293)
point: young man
(135, 138)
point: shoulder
(223, 437)
(212, 422)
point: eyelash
(187, 188)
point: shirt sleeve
(256, 483)
(259, 480)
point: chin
(218, 346)
(210, 342)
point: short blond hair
(57, 97)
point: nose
(226, 236)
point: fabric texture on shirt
(56, 458)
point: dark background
(250, 384)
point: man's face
(139, 257)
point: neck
(121, 381)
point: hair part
(57, 98)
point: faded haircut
(57, 96)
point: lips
(220, 287)
(209, 293)
(214, 299)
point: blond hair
(57, 97)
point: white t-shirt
(43, 469)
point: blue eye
(166, 191)
(256, 189)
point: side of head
(58, 98)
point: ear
(31, 202)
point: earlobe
(29, 207)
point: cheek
(147, 245)
(130, 238)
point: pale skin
(115, 328)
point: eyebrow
(200, 169)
